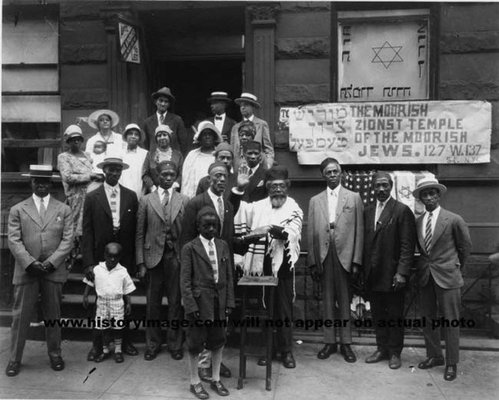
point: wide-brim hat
(41, 171)
(427, 183)
(129, 127)
(72, 131)
(207, 125)
(113, 159)
(164, 91)
(248, 98)
(94, 117)
(219, 96)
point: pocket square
(260, 184)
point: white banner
(129, 43)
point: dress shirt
(380, 206)
(332, 201)
(37, 200)
(250, 118)
(434, 217)
(158, 115)
(207, 247)
(219, 123)
(113, 282)
(109, 190)
(214, 198)
(161, 193)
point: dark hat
(41, 171)
(164, 91)
(215, 165)
(253, 145)
(276, 173)
(248, 98)
(219, 96)
(224, 146)
(382, 174)
(164, 164)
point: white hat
(129, 127)
(94, 117)
(41, 171)
(72, 131)
(426, 183)
(207, 125)
(113, 159)
(248, 98)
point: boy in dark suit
(207, 289)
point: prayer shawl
(260, 213)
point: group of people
(184, 225)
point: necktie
(220, 206)
(428, 235)
(114, 207)
(218, 118)
(379, 210)
(166, 198)
(213, 260)
(162, 119)
(42, 210)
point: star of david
(405, 191)
(386, 55)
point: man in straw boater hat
(110, 215)
(247, 104)
(444, 243)
(219, 101)
(40, 237)
(164, 100)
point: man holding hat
(134, 156)
(219, 102)
(247, 104)
(164, 100)
(444, 243)
(40, 237)
(109, 215)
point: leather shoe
(219, 388)
(377, 356)
(327, 350)
(130, 350)
(92, 354)
(13, 368)
(150, 355)
(118, 357)
(57, 363)
(450, 372)
(225, 371)
(101, 357)
(431, 362)
(204, 374)
(177, 354)
(288, 360)
(394, 362)
(348, 353)
(199, 392)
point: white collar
(160, 114)
(110, 188)
(250, 118)
(205, 241)
(335, 191)
(38, 199)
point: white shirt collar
(382, 204)
(250, 118)
(214, 197)
(110, 188)
(38, 199)
(434, 213)
(205, 241)
(335, 191)
(159, 114)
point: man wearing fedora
(247, 104)
(219, 101)
(40, 237)
(164, 100)
(444, 244)
(109, 215)
(134, 156)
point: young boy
(208, 295)
(113, 286)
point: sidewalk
(164, 378)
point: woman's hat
(248, 98)
(164, 91)
(129, 127)
(207, 125)
(72, 131)
(94, 117)
(41, 171)
(219, 96)
(113, 159)
(163, 128)
(427, 183)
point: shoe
(13, 368)
(262, 361)
(377, 356)
(395, 362)
(327, 350)
(348, 353)
(130, 350)
(199, 392)
(92, 354)
(219, 388)
(150, 355)
(205, 374)
(118, 358)
(225, 371)
(450, 372)
(57, 363)
(101, 357)
(288, 360)
(177, 354)
(431, 362)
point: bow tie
(218, 118)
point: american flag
(360, 182)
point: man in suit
(159, 225)
(444, 244)
(256, 189)
(110, 215)
(247, 104)
(219, 101)
(40, 237)
(181, 139)
(335, 239)
(389, 244)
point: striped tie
(220, 212)
(114, 207)
(165, 201)
(213, 260)
(428, 234)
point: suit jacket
(389, 248)
(98, 227)
(151, 238)
(181, 139)
(204, 185)
(256, 190)
(227, 126)
(197, 283)
(450, 246)
(348, 233)
(262, 136)
(31, 240)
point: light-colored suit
(31, 239)
(439, 275)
